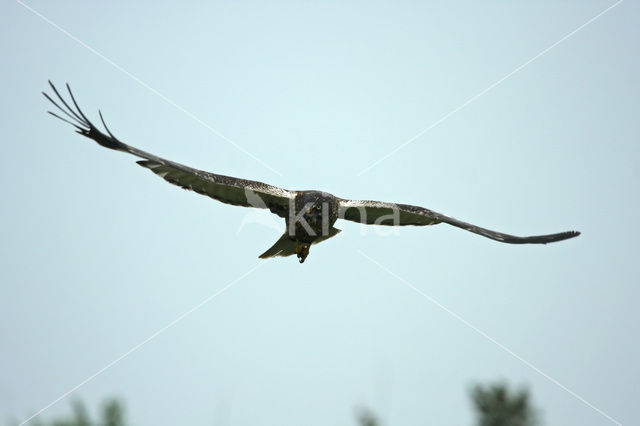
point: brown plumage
(309, 215)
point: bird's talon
(302, 251)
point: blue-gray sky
(98, 254)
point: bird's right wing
(230, 190)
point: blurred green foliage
(112, 414)
(494, 404)
(366, 417)
(497, 405)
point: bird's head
(315, 206)
(313, 212)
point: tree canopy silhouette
(497, 405)
(494, 404)
(112, 414)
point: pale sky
(99, 254)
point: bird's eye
(318, 207)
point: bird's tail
(285, 246)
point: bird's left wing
(390, 214)
(230, 190)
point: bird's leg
(302, 251)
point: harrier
(309, 215)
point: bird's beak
(308, 211)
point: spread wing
(230, 190)
(390, 214)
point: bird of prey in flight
(309, 215)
